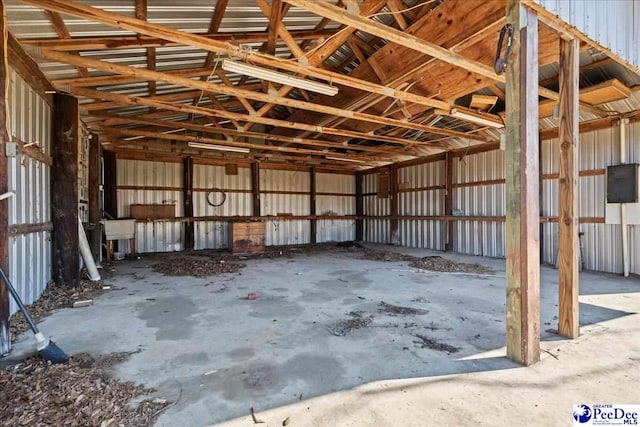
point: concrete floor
(201, 343)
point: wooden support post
(448, 199)
(522, 221)
(95, 211)
(5, 335)
(312, 205)
(187, 203)
(394, 231)
(110, 184)
(359, 206)
(64, 190)
(568, 249)
(255, 188)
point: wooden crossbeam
(370, 26)
(232, 91)
(210, 112)
(115, 119)
(121, 42)
(210, 45)
(234, 143)
(61, 29)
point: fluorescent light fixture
(277, 77)
(344, 159)
(218, 147)
(480, 119)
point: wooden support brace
(255, 188)
(448, 200)
(189, 236)
(359, 206)
(312, 205)
(95, 211)
(64, 190)
(522, 222)
(394, 229)
(568, 249)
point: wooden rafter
(232, 91)
(61, 29)
(258, 135)
(210, 112)
(122, 42)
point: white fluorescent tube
(218, 147)
(275, 76)
(343, 159)
(478, 119)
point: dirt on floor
(195, 266)
(394, 310)
(53, 298)
(426, 342)
(80, 393)
(431, 263)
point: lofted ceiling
(150, 78)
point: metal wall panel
(215, 234)
(152, 236)
(611, 23)
(337, 230)
(29, 254)
(285, 232)
(375, 230)
(486, 238)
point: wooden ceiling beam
(232, 91)
(233, 143)
(115, 120)
(132, 24)
(397, 6)
(61, 29)
(122, 42)
(370, 26)
(150, 150)
(209, 112)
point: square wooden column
(313, 226)
(359, 206)
(187, 202)
(64, 190)
(522, 165)
(448, 200)
(568, 249)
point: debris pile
(80, 393)
(53, 298)
(343, 327)
(196, 267)
(394, 310)
(437, 263)
(372, 255)
(426, 342)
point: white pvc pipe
(7, 195)
(623, 206)
(85, 251)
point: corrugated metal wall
(285, 232)
(210, 234)
(375, 230)
(611, 23)
(486, 238)
(335, 230)
(282, 192)
(152, 236)
(427, 200)
(479, 191)
(29, 254)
